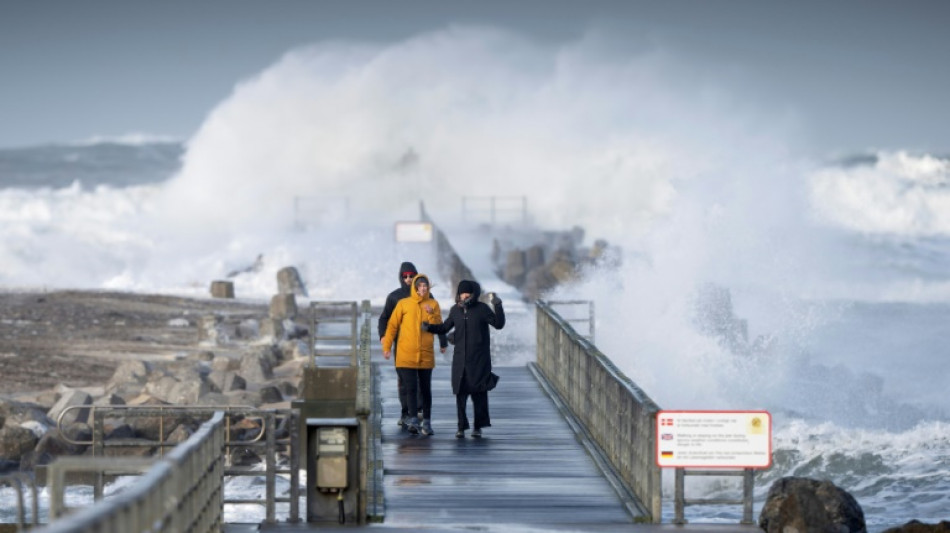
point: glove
(495, 300)
(425, 326)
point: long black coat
(472, 355)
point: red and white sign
(714, 439)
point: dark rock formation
(803, 505)
(915, 526)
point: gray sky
(862, 74)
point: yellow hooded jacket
(415, 348)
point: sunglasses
(407, 275)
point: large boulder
(70, 407)
(803, 505)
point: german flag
(666, 455)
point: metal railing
(265, 439)
(619, 416)
(572, 318)
(495, 209)
(182, 492)
(18, 482)
(328, 319)
(680, 501)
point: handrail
(619, 415)
(16, 481)
(157, 411)
(182, 492)
(268, 419)
(340, 312)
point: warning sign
(413, 232)
(714, 439)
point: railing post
(747, 485)
(270, 428)
(679, 497)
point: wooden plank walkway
(528, 468)
(529, 473)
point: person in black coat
(407, 271)
(471, 361)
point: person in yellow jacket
(415, 354)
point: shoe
(460, 434)
(426, 428)
(402, 422)
(476, 433)
(412, 427)
(419, 415)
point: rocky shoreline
(83, 348)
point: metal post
(747, 484)
(679, 498)
(294, 468)
(270, 427)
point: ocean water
(833, 304)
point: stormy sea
(751, 277)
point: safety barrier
(266, 439)
(18, 482)
(618, 415)
(182, 492)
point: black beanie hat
(466, 286)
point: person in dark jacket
(407, 271)
(471, 360)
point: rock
(270, 394)
(14, 412)
(916, 526)
(52, 445)
(257, 367)
(803, 505)
(283, 306)
(515, 270)
(15, 441)
(69, 400)
(289, 282)
(222, 289)
(533, 257)
(226, 381)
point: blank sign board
(413, 232)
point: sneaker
(402, 422)
(460, 434)
(419, 415)
(426, 428)
(412, 427)
(476, 433)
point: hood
(406, 266)
(412, 288)
(469, 286)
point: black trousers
(403, 397)
(413, 380)
(479, 402)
